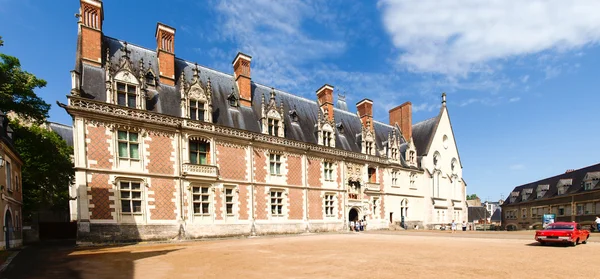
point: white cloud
(425, 107)
(517, 167)
(514, 99)
(456, 37)
(524, 78)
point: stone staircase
(396, 227)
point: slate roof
(166, 99)
(64, 131)
(477, 213)
(423, 133)
(497, 215)
(577, 185)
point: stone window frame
(329, 168)
(524, 213)
(125, 77)
(200, 106)
(8, 168)
(275, 159)
(125, 162)
(436, 160)
(326, 136)
(330, 202)
(209, 155)
(283, 211)
(372, 174)
(395, 180)
(130, 217)
(202, 217)
(375, 206)
(404, 208)
(234, 202)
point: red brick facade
(164, 194)
(98, 148)
(261, 202)
(243, 198)
(218, 204)
(160, 152)
(260, 166)
(296, 202)
(100, 197)
(314, 169)
(231, 162)
(294, 175)
(315, 207)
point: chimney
(91, 14)
(325, 97)
(241, 71)
(444, 99)
(365, 112)
(165, 48)
(402, 115)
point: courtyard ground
(381, 254)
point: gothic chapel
(168, 149)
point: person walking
(464, 226)
(597, 223)
(351, 225)
(453, 226)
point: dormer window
(233, 102)
(273, 127)
(563, 185)
(126, 95)
(541, 190)
(394, 153)
(150, 79)
(294, 115)
(196, 110)
(327, 138)
(369, 147)
(340, 128)
(514, 196)
(526, 193)
(411, 156)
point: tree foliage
(47, 170)
(472, 197)
(17, 90)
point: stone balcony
(201, 170)
(372, 186)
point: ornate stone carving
(202, 170)
(272, 115)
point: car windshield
(560, 227)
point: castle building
(573, 196)
(166, 148)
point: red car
(562, 232)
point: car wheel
(542, 243)
(585, 241)
(574, 243)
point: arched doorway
(353, 214)
(7, 228)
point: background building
(11, 200)
(166, 148)
(571, 196)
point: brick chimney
(241, 71)
(91, 14)
(402, 115)
(365, 112)
(165, 48)
(325, 97)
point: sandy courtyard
(354, 255)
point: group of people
(454, 226)
(358, 225)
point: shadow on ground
(64, 260)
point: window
(561, 211)
(150, 79)
(589, 207)
(413, 177)
(126, 95)
(436, 159)
(233, 102)
(229, 201)
(329, 205)
(411, 156)
(524, 213)
(131, 197)
(369, 147)
(199, 152)
(128, 145)
(327, 138)
(273, 127)
(588, 185)
(8, 177)
(375, 207)
(277, 203)
(328, 171)
(372, 175)
(394, 153)
(196, 110)
(275, 164)
(580, 208)
(394, 178)
(201, 200)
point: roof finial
(196, 72)
(444, 99)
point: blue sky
(521, 78)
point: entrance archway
(7, 228)
(353, 214)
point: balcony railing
(372, 186)
(201, 170)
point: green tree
(47, 170)
(472, 197)
(17, 90)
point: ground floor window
(277, 203)
(229, 201)
(329, 205)
(201, 200)
(131, 197)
